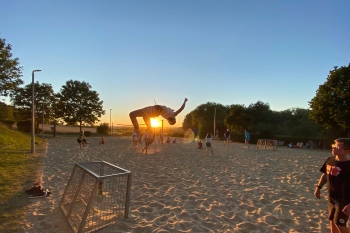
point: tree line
(255, 118)
(75, 103)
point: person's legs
(133, 115)
(211, 151)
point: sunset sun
(154, 123)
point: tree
(187, 123)
(330, 106)
(22, 101)
(10, 71)
(80, 104)
(237, 120)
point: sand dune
(179, 189)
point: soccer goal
(266, 144)
(97, 195)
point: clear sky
(228, 52)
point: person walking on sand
(336, 172)
(208, 139)
(247, 138)
(134, 138)
(154, 111)
(227, 136)
(80, 141)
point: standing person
(146, 141)
(134, 138)
(195, 132)
(80, 141)
(154, 111)
(336, 172)
(208, 139)
(227, 136)
(216, 136)
(247, 138)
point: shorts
(78, 140)
(135, 140)
(227, 137)
(208, 144)
(336, 214)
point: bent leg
(133, 115)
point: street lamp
(33, 121)
(110, 121)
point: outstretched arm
(182, 107)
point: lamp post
(110, 122)
(33, 120)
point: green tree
(330, 106)
(237, 120)
(10, 70)
(22, 100)
(6, 114)
(203, 118)
(80, 104)
(187, 123)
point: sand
(179, 189)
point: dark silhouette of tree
(330, 106)
(10, 70)
(237, 120)
(22, 101)
(80, 104)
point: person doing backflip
(154, 111)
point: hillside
(18, 168)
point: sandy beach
(180, 189)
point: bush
(87, 133)
(25, 126)
(8, 122)
(266, 134)
(103, 129)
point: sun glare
(154, 123)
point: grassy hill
(18, 169)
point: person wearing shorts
(80, 141)
(247, 138)
(208, 139)
(336, 172)
(154, 111)
(227, 136)
(134, 138)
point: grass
(18, 169)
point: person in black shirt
(227, 136)
(336, 172)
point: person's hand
(317, 193)
(346, 210)
(186, 99)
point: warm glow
(154, 123)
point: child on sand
(147, 141)
(336, 172)
(200, 144)
(168, 140)
(208, 139)
(134, 138)
(173, 140)
(227, 136)
(102, 141)
(154, 111)
(80, 141)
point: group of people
(227, 134)
(309, 144)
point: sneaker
(39, 195)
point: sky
(136, 53)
